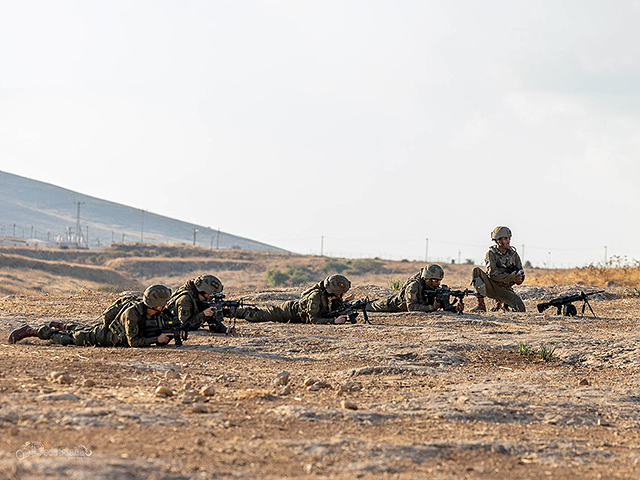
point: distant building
(13, 241)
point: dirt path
(411, 396)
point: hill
(46, 213)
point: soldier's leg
(509, 298)
(383, 305)
(267, 314)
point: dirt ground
(411, 396)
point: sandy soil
(437, 396)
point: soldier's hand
(165, 337)
(340, 320)
(460, 306)
(210, 312)
(519, 279)
(436, 305)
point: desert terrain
(410, 396)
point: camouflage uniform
(498, 281)
(313, 303)
(127, 329)
(408, 299)
(186, 305)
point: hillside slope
(43, 211)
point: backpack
(117, 307)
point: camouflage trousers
(283, 313)
(81, 335)
(489, 288)
(389, 304)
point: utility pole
(14, 229)
(605, 255)
(322, 246)
(218, 239)
(426, 251)
(459, 257)
(141, 225)
(78, 228)
(87, 236)
(522, 256)
(195, 230)
(123, 238)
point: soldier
(126, 329)
(187, 303)
(504, 269)
(410, 297)
(314, 302)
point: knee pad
(480, 287)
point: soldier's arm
(414, 302)
(497, 273)
(186, 313)
(313, 309)
(131, 320)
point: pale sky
(373, 124)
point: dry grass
(599, 276)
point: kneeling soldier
(323, 297)
(504, 270)
(126, 329)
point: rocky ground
(432, 396)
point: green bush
(276, 277)
(395, 284)
(334, 266)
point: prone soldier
(187, 303)
(322, 298)
(126, 328)
(411, 298)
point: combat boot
(22, 332)
(481, 307)
(497, 307)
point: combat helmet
(336, 284)
(156, 296)
(432, 271)
(499, 232)
(208, 284)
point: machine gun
(443, 295)
(351, 309)
(169, 324)
(565, 305)
(224, 308)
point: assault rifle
(351, 309)
(224, 308)
(443, 295)
(169, 324)
(565, 305)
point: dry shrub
(617, 270)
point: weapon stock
(168, 324)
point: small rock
(208, 391)
(199, 441)
(171, 374)
(309, 381)
(187, 399)
(88, 383)
(163, 392)
(62, 377)
(584, 381)
(282, 378)
(313, 388)
(59, 396)
(323, 384)
(286, 390)
(348, 405)
(199, 408)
